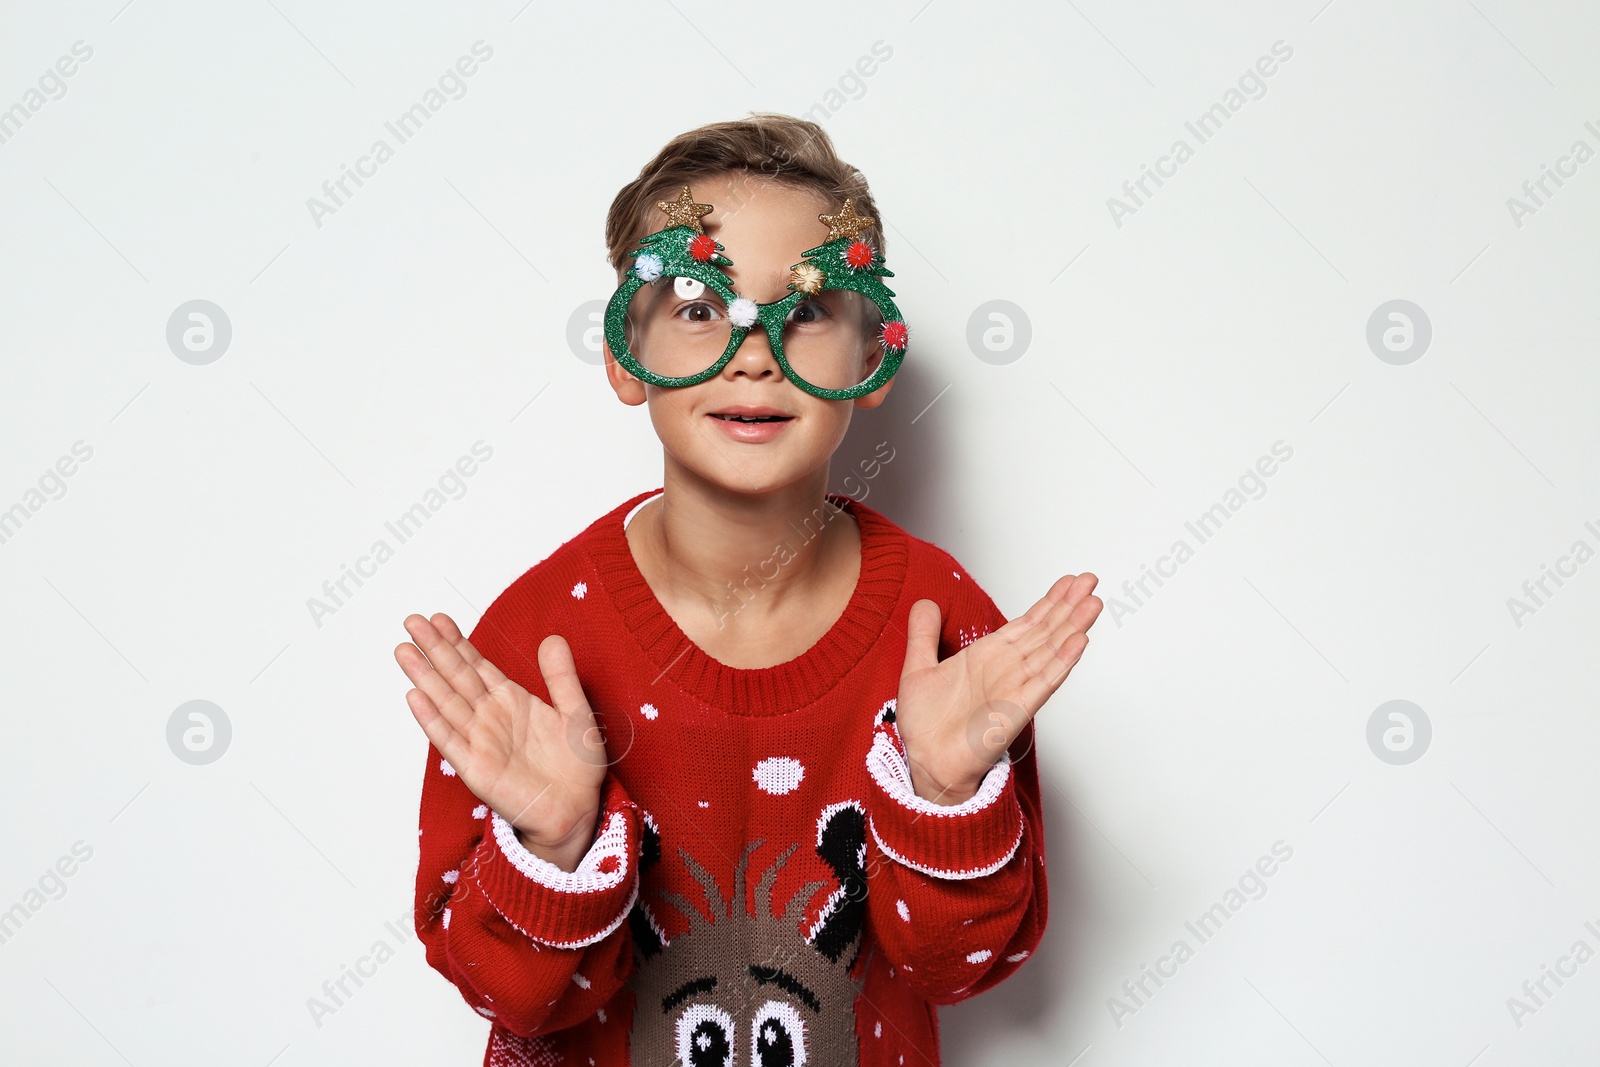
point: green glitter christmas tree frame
(671, 247)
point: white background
(1224, 713)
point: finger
(447, 660)
(922, 637)
(560, 673)
(1052, 596)
(1064, 616)
(457, 711)
(490, 674)
(1077, 619)
(1048, 668)
(461, 675)
(1024, 634)
(450, 743)
(1073, 616)
(1034, 628)
(1087, 612)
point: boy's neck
(731, 562)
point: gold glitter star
(846, 223)
(683, 211)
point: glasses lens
(677, 326)
(831, 339)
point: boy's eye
(701, 312)
(692, 302)
(808, 311)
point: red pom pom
(895, 335)
(702, 248)
(858, 255)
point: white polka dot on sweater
(979, 956)
(1016, 957)
(485, 1012)
(580, 589)
(447, 918)
(705, 803)
(583, 982)
(602, 1014)
(451, 877)
(480, 811)
(778, 774)
(649, 711)
(900, 906)
(449, 771)
(877, 1028)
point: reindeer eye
(688, 288)
(705, 1037)
(777, 1036)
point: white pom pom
(743, 313)
(647, 266)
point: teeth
(752, 418)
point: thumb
(560, 674)
(922, 637)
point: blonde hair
(767, 146)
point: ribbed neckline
(771, 690)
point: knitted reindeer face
(742, 990)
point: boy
(668, 819)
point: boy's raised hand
(956, 717)
(540, 767)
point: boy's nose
(754, 356)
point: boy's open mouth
(751, 424)
(750, 413)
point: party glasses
(676, 320)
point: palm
(956, 716)
(539, 766)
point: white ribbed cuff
(892, 771)
(588, 877)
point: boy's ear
(873, 354)
(876, 397)
(629, 389)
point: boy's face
(765, 228)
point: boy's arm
(956, 894)
(531, 946)
(528, 945)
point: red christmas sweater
(765, 888)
